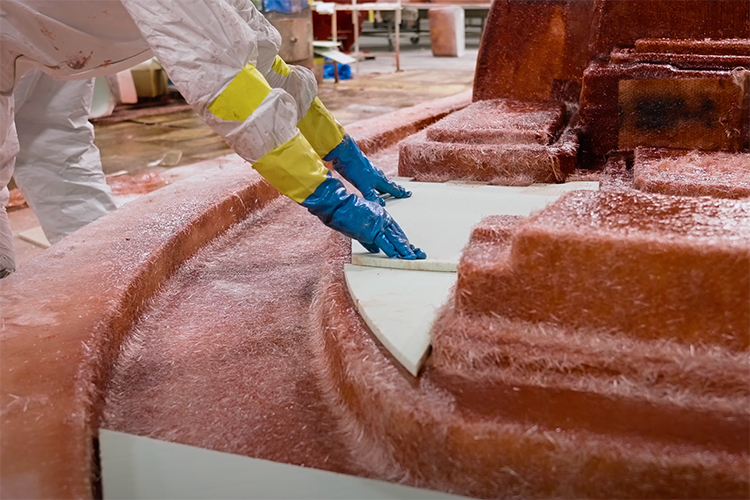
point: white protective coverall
(58, 168)
(222, 56)
(73, 39)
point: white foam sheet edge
(399, 306)
(136, 467)
(35, 236)
(438, 217)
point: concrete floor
(138, 145)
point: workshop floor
(168, 142)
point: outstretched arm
(333, 144)
(211, 51)
(325, 134)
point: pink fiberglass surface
(223, 357)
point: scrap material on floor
(35, 236)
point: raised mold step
(501, 121)
(439, 438)
(568, 378)
(692, 173)
(653, 105)
(500, 142)
(647, 265)
(623, 23)
(680, 60)
(724, 47)
(495, 229)
(687, 53)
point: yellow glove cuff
(293, 168)
(321, 129)
(280, 66)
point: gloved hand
(365, 221)
(349, 161)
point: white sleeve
(8, 152)
(203, 45)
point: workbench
(471, 9)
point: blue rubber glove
(349, 161)
(365, 221)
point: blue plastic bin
(345, 71)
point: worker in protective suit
(223, 57)
(58, 168)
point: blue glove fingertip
(401, 191)
(392, 189)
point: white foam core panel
(396, 298)
(439, 216)
(399, 306)
(136, 467)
